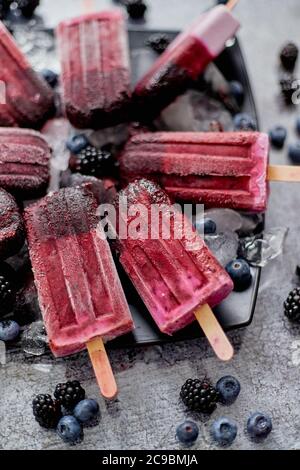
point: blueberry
(9, 330)
(244, 122)
(69, 429)
(224, 431)
(206, 226)
(77, 143)
(298, 125)
(294, 152)
(259, 425)
(240, 273)
(85, 410)
(228, 388)
(187, 432)
(237, 91)
(50, 77)
(277, 136)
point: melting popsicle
(79, 291)
(176, 275)
(95, 69)
(28, 99)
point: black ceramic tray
(238, 309)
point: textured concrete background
(267, 359)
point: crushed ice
(224, 245)
(34, 339)
(260, 250)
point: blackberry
(292, 305)
(289, 56)
(289, 86)
(69, 394)
(28, 7)
(47, 411)
(158, 42)
(136, 9)
(92, 162)
(199, 395)
(7, 295)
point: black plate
(238, 309)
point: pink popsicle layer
(226, 169)
(79, 290)
(172, 275)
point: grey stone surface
(267, 359)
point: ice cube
(194, 111)
(34, 339)
(225, 219)
(260, 251)
(224, 246)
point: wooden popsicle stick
(88, 6)
(231, 4)
(102, 368)
(214, 333)
(283, 173)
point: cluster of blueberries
(224, 430)
(278, 137)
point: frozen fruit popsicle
(184, 60)
(29, 99)
(24, 162)
(175, 274)
(79, 291)
(218, 169)
(95, 69)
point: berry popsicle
(218, 169)
(184, 60)
(79, 291)
(24, 162)
(95, 69)
(29, 100)
(176, 276)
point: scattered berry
(237, 91)
(294, 153)
(85, 410)
(289, 86)
(277, 136)
(47, 411)
(69, 429)
(292, 305)
(224, 431)
(7, 294)
(50, 77)
(77, 143)
(244, 122)
(158, 42)
(206, 226)
(9, 330)
(228, 388)
(187, 432)
(69, 394)
(259, 425)
(199, 396)
(240, 273)
(136, 9)
(28, 7)
(289, 56)
(92, 161)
